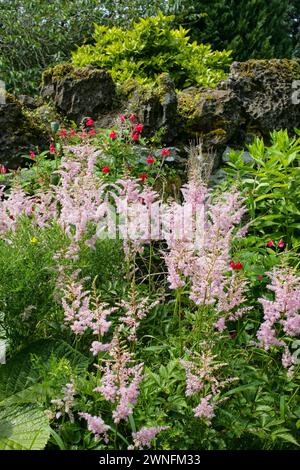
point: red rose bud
(270, 244)
(52, 148)
(92, 132)
(32, 155)
(281, 244)
(232, 265)
(89, 122)
(166, 152)
(122, 117)
(260, 277)
(112, 135)
(105, 169)
(3, 170)
(132, 118)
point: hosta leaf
(23, 428)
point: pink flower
(150, 160)
(92, 132)
(205, 410)
(220, 325)
(144, 436)
(166, 152)
(112, 135)
(3, 170)
(89, 122)
(132, 118)
(83, 135)
(135, 136)
(270, 244)
(105, 169)
(73, 132)
(52, 149)
(138, 128)
(122, 117)
(281, 244)
(32, 155)
(96, 425)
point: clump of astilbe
(142, 438)
(17, 203)
(81, 313)
(202, 379)
(135, 309)
(64, 405)
(230, 301)
(281, 315)
(120, 380)
(80, 194)
(203, 255)
(137, 208)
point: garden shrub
(152, 47)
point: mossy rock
(79, 92)
(156, 106)
(20, 132)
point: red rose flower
(132, 118)
(122, 117)
(166, 152)
(63, 133)
(112, 135)
(138, 128)
(150, 160)
(238, 265)
(270, 244)
(105, 169)
(135, 136)
(52, 148)
(281, 244)
(92, 132)
(232, 265)
(89, 122)
(32, 155)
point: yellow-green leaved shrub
(151, 47)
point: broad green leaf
(23, 428)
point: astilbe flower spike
(202, 378)
(281, 313)
(97, 426)
(142, 438)
(120, 381)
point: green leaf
(23, 428)
(18, 374)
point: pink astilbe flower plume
(281, 313)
